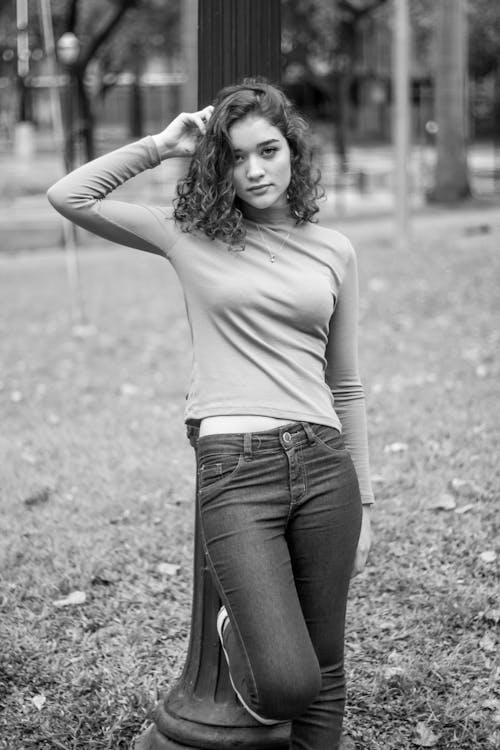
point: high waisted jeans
(280, 518)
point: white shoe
(222, 621)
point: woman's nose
(254, 169)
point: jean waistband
(285, 437)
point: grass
(97, 491)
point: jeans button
(287, 437)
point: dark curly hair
(206, 199)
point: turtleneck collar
(274, 216)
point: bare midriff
(239, 423)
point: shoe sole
(221, 618)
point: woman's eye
(239, 158)
(269, 151)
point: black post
(236, 38)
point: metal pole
(69, 235)
(24, 134)
(235, 38)
(401, 122)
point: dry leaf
(491, 615)
(39, 701)
(488, 643)
(489, 556)
(396, 448)
(392, 672)
(424, 736)
(491, 704)
(168, 569)
(445, 502)
(465, 485)
(83, 331)
(76, 597)
(464, 509)
(128, 389)
(38, 497)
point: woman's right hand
(181, 136)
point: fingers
(202, 117)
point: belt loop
(309, 432)
(247, 446)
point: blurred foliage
(112, 33)
(484, 37)
(318, 34)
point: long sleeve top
(269, 338)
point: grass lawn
(97, 489)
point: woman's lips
(259, 189)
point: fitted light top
(275, 339)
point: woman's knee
(284, 696)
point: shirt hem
(256, 411)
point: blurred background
(80, 77)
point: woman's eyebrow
(259, 145)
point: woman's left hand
(364, 543)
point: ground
(97, 494)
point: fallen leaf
(464, 509)
(491, 704)
(38, 497)
(488, 643)
(39, 701)
(488, 556)
(76, 597)
(377, 284)
(424, 736)
(444, 502)
(29, 457)
(491, 615)
(396, 448)
(128, 389)
(168, 569)
(465, 485)
(83, 330)
(391, 673)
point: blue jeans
(280, 518)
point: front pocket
(331, 440)
(215, 470)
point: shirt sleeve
(342, 375)
(82, 197)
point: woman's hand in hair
(181, 136)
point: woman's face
(261, 171)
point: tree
(115, 35)
(321, 37)
(451, 182)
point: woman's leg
(322, 536)
(245, 507)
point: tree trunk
(451, 182)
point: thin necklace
(272, 256)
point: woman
(271, 296)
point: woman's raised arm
(82, 195)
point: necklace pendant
(272, 258)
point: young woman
(275, 398)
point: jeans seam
(229, 608)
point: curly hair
(206, 200)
